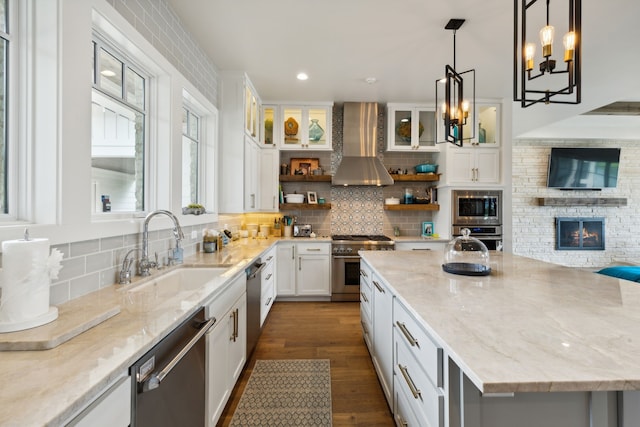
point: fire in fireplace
(580, 234)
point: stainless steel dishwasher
(169, 380)
(254, 291)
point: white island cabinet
(532, 344)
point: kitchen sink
(176, 284)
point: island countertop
(530, 326)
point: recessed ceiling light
(370, 80)
(107, 73)
(302, 76)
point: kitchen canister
(27, 270)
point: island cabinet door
(383, 334)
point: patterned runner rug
(286, 393)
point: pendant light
(455, 99)
(531, 85)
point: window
(190, 156)
(118, 132)
(4, 50)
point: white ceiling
(403, 44)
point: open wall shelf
(582, 201)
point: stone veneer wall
(534, 226)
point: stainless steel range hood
(359, 165)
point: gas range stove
(345, 244)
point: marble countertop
(47, 387)
(530, 326)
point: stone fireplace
(580, 234)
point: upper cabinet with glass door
(305, 127)
(488, 127)
(411, 128)
(252, 107)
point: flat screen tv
(583, 168)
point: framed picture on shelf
(312, 198)
(427, 229)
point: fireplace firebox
(580, 234)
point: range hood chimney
(359, 165)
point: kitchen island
(532, 344)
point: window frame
(101, 42)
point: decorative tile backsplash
(357, 210)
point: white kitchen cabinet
(382, 354)
(226, 346)
(268, 285)
(268, 199)
(240, 107)
(286, 268)
(472, 165)
(251, 165)
(111, 409)
(304, 269)
(305, 127)
(411, 128)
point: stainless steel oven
(345, 263)
(481, 212)
(477, 207)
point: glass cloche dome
(466, 255)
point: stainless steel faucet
(125, 273)
(145, 265)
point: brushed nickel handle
(268, 301)
(313, 249)
(253, 201)
(407, 334)
(268, 276)
(299, 263)
(364, 297)
(362, 272)
(293, 252)
(401, 420)
(380, 288)
(405, 373)
(270, 258)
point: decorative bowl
(426, 168)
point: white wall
(534, 226)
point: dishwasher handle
(155, 379)
(253, 273)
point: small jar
(210, 246)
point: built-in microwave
(477, 207)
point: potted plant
(193, 209)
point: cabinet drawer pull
(363, 273)
(268, 276)
(268, 301)
(402, 421)
(313, 249)
(364, 297)
(407, 334)
(270, 258)
(405, 373)
(380, 288)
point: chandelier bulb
(546, 40)
(569, 42)
(529, 53)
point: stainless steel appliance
(254, 292)
(302, 230)
(481, 212)
(345, 262)
(169, 380)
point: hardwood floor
(323, 330)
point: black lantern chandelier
(566, 79)
(456, 104)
